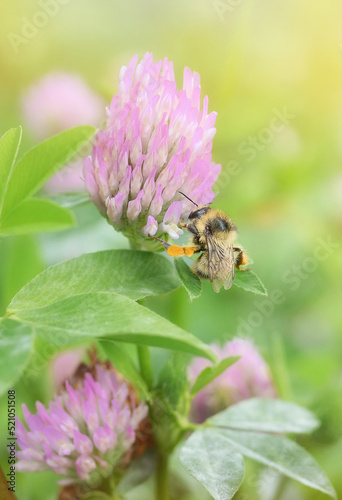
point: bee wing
(221, 264)
(217, 285)
(230, 277)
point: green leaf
(266, 415)
(37, 215)
(112, 317)
(250, 282)
(173, 382)
(281, 454)
(41, 162)
(122, 361)
(135, 274)
(216, 465)
(9, 146)
(191, 282)
(20, 262)
(16, 344)
(211, 372)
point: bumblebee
(213, 236)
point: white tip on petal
(173, 230)
(151, 227)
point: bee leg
(165, 244)
(177, 250)
(188, 251)
(241, 259)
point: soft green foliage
(19, 213)
(281, 454)
(37, 215)
(9, 145)
(190, 281)
(216, 465)
(41, 162)
(16, 341)
(173, 382)
(250, 282)
(20, 262)
(245, 279)
(134, 274)
(88, 297)
(105, 315)
(171, 403)
(211, 372)
(266, 415)
(110, 316)
(262, 417)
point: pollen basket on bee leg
(189, 251)
(175, 251)
(244, 259)
(178, 251)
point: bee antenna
(180, 192)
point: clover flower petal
(157, 142)
(84, 429)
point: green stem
(145, 365)
(281, 373)
(107, 487)
(162, 479)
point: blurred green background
(273, 72)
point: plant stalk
(162, 479)
(279, 368)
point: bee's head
(200, 210)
